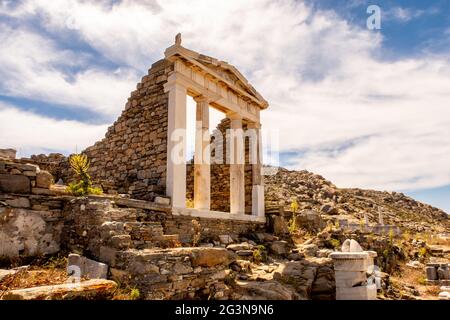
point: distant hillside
(314, 192)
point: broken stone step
(167, 237)
(141, 204)
(96, 288)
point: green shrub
(260, 254)
(79, 163)
(135, 294)
(335, 243)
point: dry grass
(416, 278)
(410, 276)
(41, 272)
(432, 239)
(33, 278)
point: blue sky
(364, 108)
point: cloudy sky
(364, 108)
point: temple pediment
(220, 71)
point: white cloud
(321, 75)
(34, 67)
(401, 14)
(30, 133)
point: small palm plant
(80, 165)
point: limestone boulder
(267, 290)
(225, 239)
(240, 246)
(300, 274)
(44, 179)
(279, 225)
(91, 289)
(279, 247)
(329, 209)
(309, 250)
(210, 257)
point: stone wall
(30, 214)
(28, 233)
(55, 163)
(210, 228)
(132, 156)
(180, 273)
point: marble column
(202, 174)
(176, 144)
(255, 157)
(237, 161)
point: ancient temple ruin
(144, 152)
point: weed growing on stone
(196, 232)
(79, 163)
(260, 254)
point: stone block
(349, 279)
(163, 201)
(279, 226)
(355, 261)
(14, 183)
(83, 267)
(91, 289)
(210, 257)
(368, 292)
(431, 273)
(225, 239)
(42, 191)
(18, 203)
(444, 295)
(279, 247)
(44, 179)
(122, 241)
(442, 273)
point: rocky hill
(315, 192)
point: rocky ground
(312, 191)
(291, 260)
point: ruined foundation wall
(30, 213)
(132, 156)
(210, 228)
